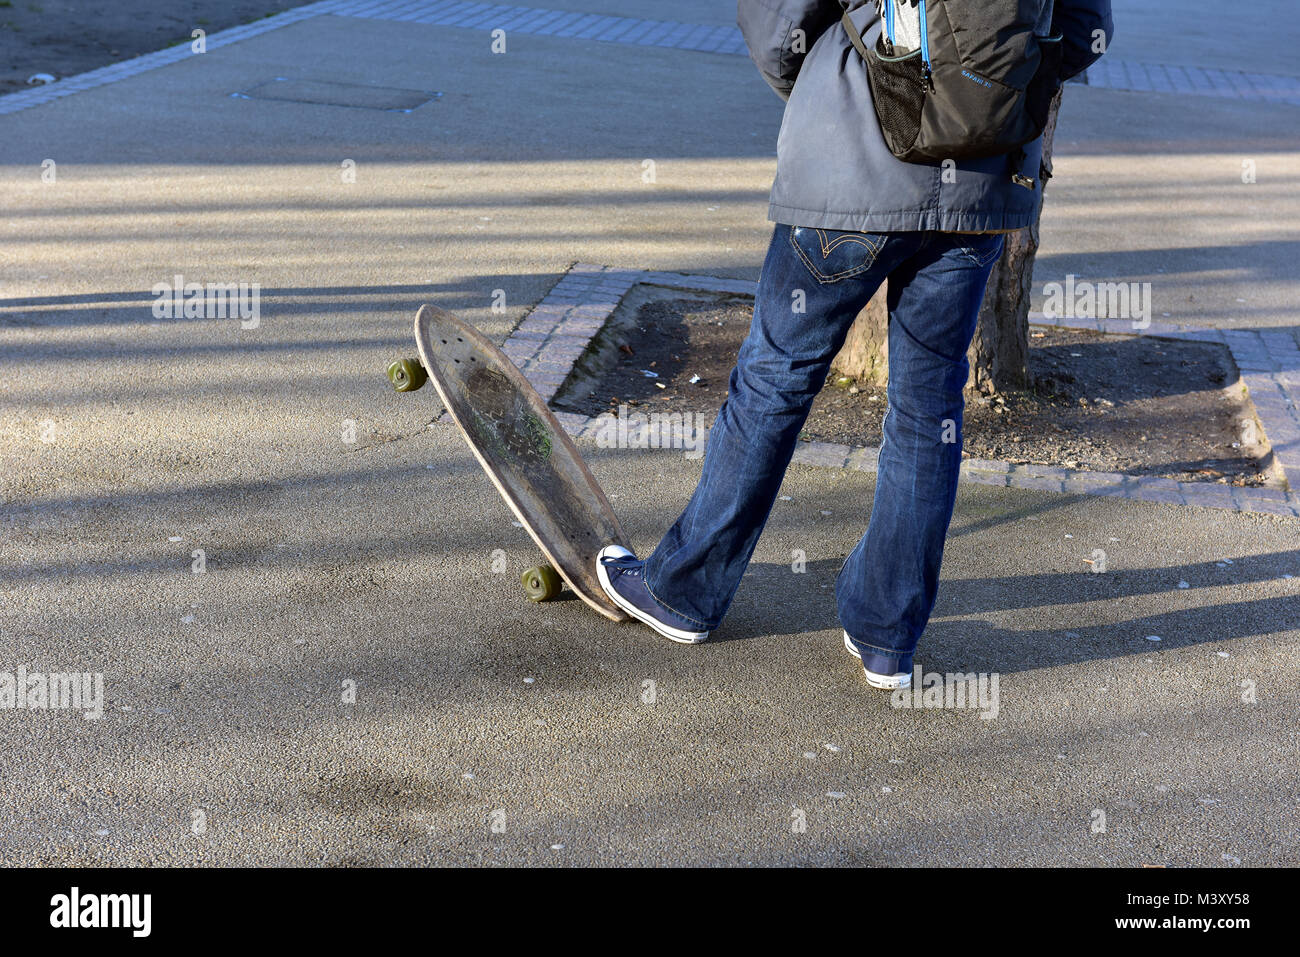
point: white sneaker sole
(674, 634)
(884, 682)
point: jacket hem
(900, 221)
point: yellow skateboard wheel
(541, 583)
(407, 374)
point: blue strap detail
(889, 20)
(925, 37)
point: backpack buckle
(1020, 180)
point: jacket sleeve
(780, 33)
(1086, 28)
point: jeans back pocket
(832, 254)
(985, 250)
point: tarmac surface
(486, 730)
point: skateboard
(526, 453)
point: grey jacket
(834, 170)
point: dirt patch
(67, 37)
(1101, 403)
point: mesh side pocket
(898, 96)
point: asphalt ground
(331, 562)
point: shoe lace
(624, 565)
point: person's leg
(886, 589)
(814, 283)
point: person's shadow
(774, 599)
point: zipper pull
(927, 80)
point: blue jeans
(814, 283)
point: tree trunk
(864, 356)
(999, 352)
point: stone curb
(555, 333)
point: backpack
(981, 83)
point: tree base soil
(1140, 405)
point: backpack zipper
(926, 77)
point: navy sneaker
(620, 574)
(888, 682)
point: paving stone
(1266, 505)
(1283, 436)
(527, 336)
(586, 328)
(1203, 335)
(1046, 471)
(1207, 494)
(1035, 481)
(562, 349)
(821, 453)
(1279, 340)
(540, 377)
(541, 324)
(1288, 455)
(518, 352)
(573, 422)
(864, 459)
(985, 465)
(1111, 490)
(984, 478)
(596, 425)
(1271, 494)
(592, 311)
(1097, 478)
(1160, 330)
(1156, 482)
(1105, 491)
(1150, 494)
(568, 335)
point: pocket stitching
(827, 247)
(987, 258)
(834, 277)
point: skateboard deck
(524, 450)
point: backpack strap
(855, 37)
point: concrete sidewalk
(333, 565)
